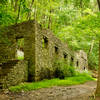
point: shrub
(46, 73)
(62, 69)
(93, 62)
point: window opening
(72, 61)
(84, 68)
(20, 50)
(77, 63)
(65, 55)
(56, 49)
(45, 42)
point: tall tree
(98, 82)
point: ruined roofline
(46, 32)
(16, 28)
(49, 34)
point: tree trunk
(49, 23)
(16, 5)
(81, 4)
(98, 82)
(29, 13)
(98, 1)
(91, 48)
(35, 11)
(12, 3)
(18, 12)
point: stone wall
(13, 73)
(41, 50)
(49, 49)
(81, 60)
(24, 30)
(6, 52)
(7, 46)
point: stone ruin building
(41, 49)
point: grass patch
(20, 58)
(78, 79)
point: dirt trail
(76, 92)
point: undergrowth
(78, 79)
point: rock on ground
(76, 92)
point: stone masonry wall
(81, 60)
(49, 49)
(41, 50)
(14, 75)
(24, 30)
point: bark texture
(98, 83)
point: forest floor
(75, 92)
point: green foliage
(91, 28)
(81, 33)
(93, 58)
(20, 43)
(79, 79)
(73, 21)
(62, 69)
(20, 58)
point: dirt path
(76, 92)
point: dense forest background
(76, 22)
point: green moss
(79, 79)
